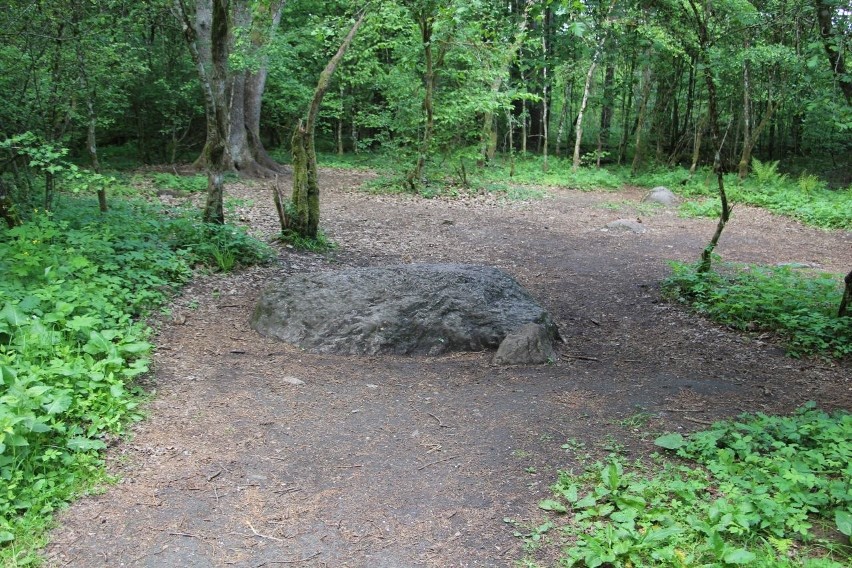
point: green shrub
(74, 287)
(755, 490)
(799, 307)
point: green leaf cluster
(757, 487)
(798, 306)
(74, 289)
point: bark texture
(305, 219)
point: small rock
(631, 225)
(661, 195)
(371, 386)
(530, 344)
(293, 381)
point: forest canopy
(604, 82)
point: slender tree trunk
(91, 116)
(696, 145)
(626, 110)
(701, 29)
(640, 121)
(578, 137)
(306, 191)
(426, 25)
(545, 118)
(488, 138)
(606, 112)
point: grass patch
(319, 244)
(758, 491)
(75, 287)
(798, 306)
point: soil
(255, 453)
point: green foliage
(74, 287)
(192, 184)
(319, 244)
(766, 173)
(799, 307)
(757, 488)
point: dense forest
(602, 83)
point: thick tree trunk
(847, 297)
(825, 17)
(240, 91)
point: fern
(766, 172)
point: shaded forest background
(432, 83)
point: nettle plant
(759, 491)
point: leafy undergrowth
(806, 198)
(74, 287)
(762, 490)
(797, 306)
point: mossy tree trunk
(305, 217)
(847, 297)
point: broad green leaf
(12, 314)
(7, 375)
(135, 348)
(738, 556)
(551, 505)
(58, 404)
(587, 501)
(82, 444)
(97, 344)
(843, 520)
(670, 441)
(6, 536)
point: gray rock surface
(662, 195)
(632, 225)
(406, 309)
(531, 344)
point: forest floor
(391, 462)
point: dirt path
(386, 462)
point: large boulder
(406, 309)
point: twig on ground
(305, 559)
(229, 306)
(436, 462)
(263, 535)
(581, 357)
(213, 476)
(697, 421)
(348, 466)
(440, 424)
(684, 410)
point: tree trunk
(236, 93)
(7, 208)
(578, 139)
(626, 110)
(847, 297)
(305, 221)
(640, 121)
(701, 29)
(825, 17)
(488, 138)
(606, 112)
(426, 25)
(545, 118)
